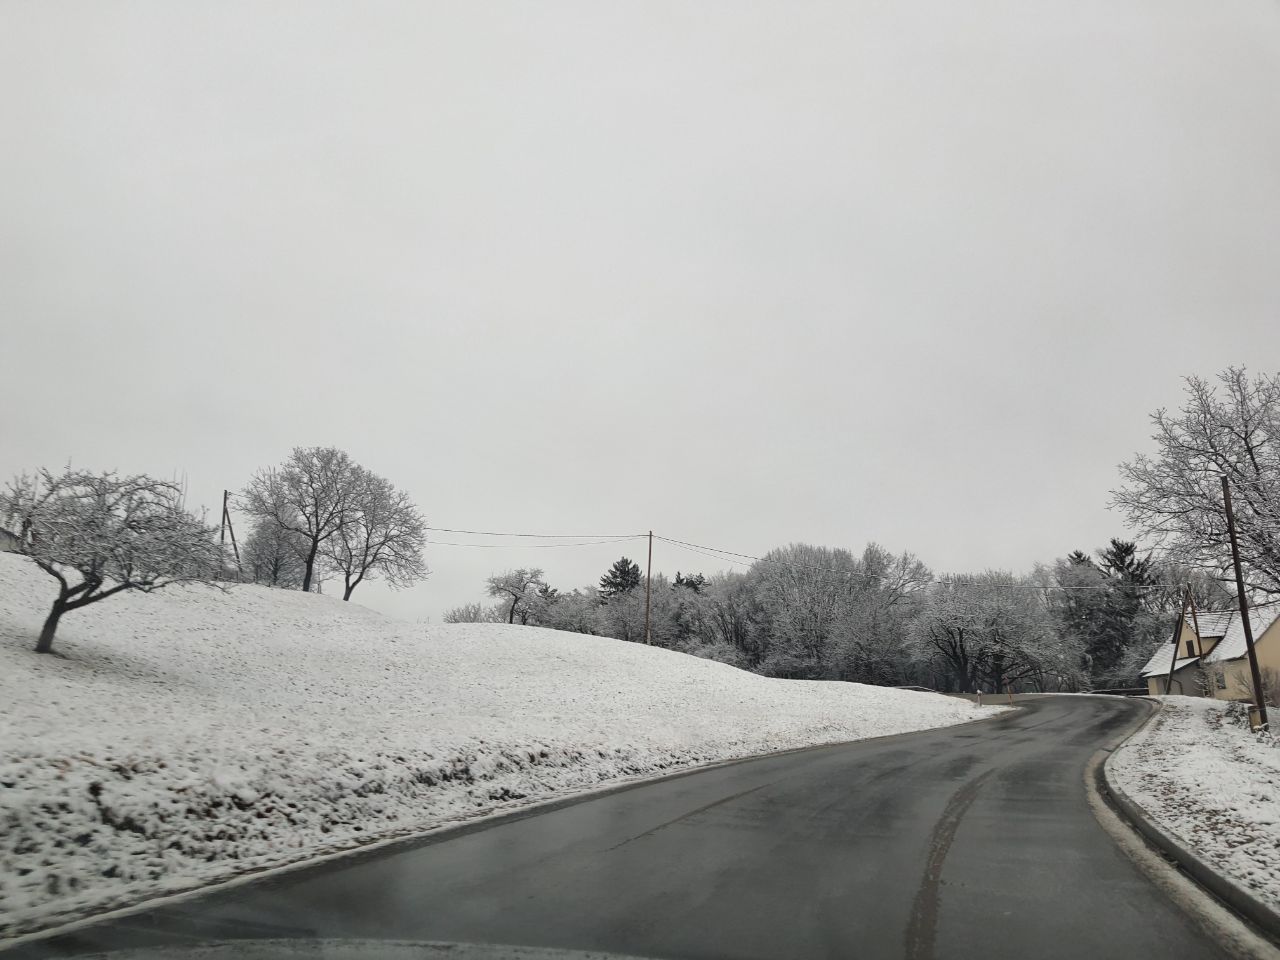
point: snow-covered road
(190, 735)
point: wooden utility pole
(226, 525)
(222, 535)
(1195, 621)
(1258, 697)
(1177, 632)
(648, 589)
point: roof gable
(1158, 665)
(1232, 646)
(1211, 624)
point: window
(1220, 679)
(1190, 649)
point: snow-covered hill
(193, 734)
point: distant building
(9, 542)
(1214, 662)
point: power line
(528, 546)
(612, 537)
(700, 546)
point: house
(1215, 662)
(9, 542)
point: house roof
(1232, 645)
(1212, 624)
(1158, 665)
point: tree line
(812, 612)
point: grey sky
(745, 273)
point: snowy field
(1210, 782)
(191, 735)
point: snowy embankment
(192, 734)
(1205, 779)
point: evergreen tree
(1120, 560)
(694, 582)
(1128, 576)
(622, 577)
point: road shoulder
(1181, 873)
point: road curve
(970, 841)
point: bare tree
(382, 534)
(273, 555)
(1175, 497)
(518, 586)
(309, 494)
(101, 534)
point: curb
(1238, 898)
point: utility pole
(1258, 697)
(1195, 622)
(1177, 633)
(222, 536)
(226, 525)
(648, 589)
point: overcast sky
(742, 273)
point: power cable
(540, 536)
(531, 546)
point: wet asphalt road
(972, 841)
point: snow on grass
(1203, 777)
(192, 734)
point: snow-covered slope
(1212, 784)
(192, 734)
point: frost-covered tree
(990, 631)
(1174, 497)
(273, 555)
(381, 535)
(832, 615)
(474, 613)
(622, 616)
(734, 617)
(100, 534)
(694, 581)
(578, 611)
(870, 638)
(1170, 581)
(308, 495)
(807, 592)
(518, 590)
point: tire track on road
(922, 929)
